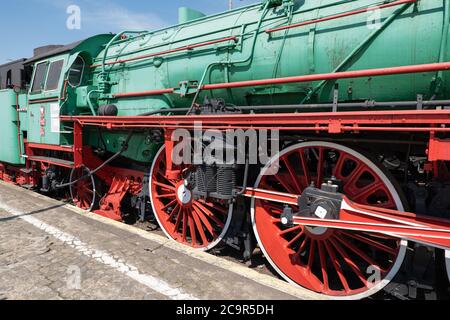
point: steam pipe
(334, 76)
(422, 68)
(341, 15)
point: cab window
(39, 77)
(76, 72)
(54, 75)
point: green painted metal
(408, 34)
(404, 35)
(45, 107)
(43, 111)
(187, 14)
(9, 145)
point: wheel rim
(83, 192)
(329, 262)
(196, 223)
(447, 263)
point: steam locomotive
(353, 97)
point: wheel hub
(184, 194)
(318, 203)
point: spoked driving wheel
(197, 223)
(83, 190)
(333, 263)
(447, 263)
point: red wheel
(196, 223)
(447, 262)
(83, 191)
(333, 263)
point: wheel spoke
(175, 211)
(301, 249)
(215, 207)
(365, 192)
(320, 167)
(360, 253)
(305, 168)
(311, 256)
(339, 166)
(205, 221)
(199, 227)
(164, 178)
(185, 220)
(178, 222)
(290, 243)
(284, 184)
(349, 261)
(164, 186)
(337, 267)
(354, 176)
(168, 195)
(292, 175)
(171, 203)
(284, 232)
(192, 228)
(323, 265)
(209, 214)
(372, 243)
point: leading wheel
(197, 223)
(333, 263)
(83, 188)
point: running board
(53, 161)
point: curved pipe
(114, 39)
(89, 101)
(248, 59)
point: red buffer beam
(341, 15)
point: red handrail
(432, 67)
(157, 54)
(144, 93)
(341, 15)
(334, 76)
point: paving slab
(51, 251)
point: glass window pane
(39, 77)
(54, 74)
(76, 72)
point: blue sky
(27, 24)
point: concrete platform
(49, 250)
